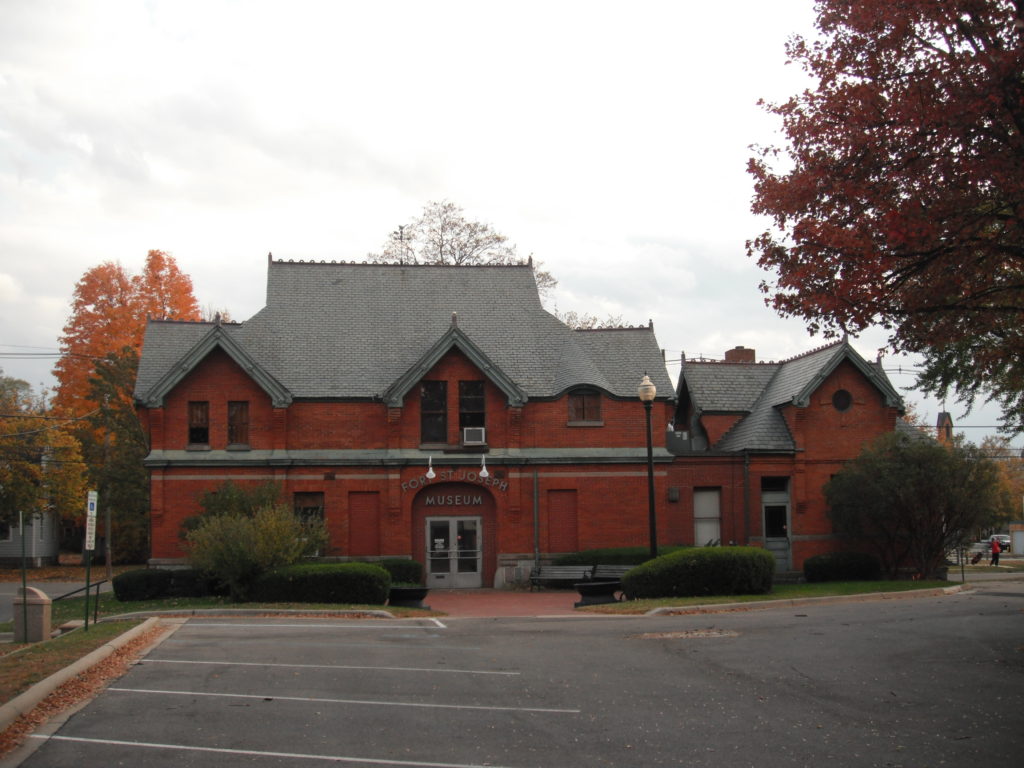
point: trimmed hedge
(842, 566)
(614, 556)
(158, 583)
(403, 571)
(142, 584)
(362, 583)
(697, 571)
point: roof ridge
(180, 321)
(343, 263)
(809, 352)
(614, 328)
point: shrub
(235, 548)
(403, 571)
(614, 556)
(703, 571)
(363, 583)
(142, 584)
(842, 566)
(189, 582)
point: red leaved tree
(108, 313)
(900, 197)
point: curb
(29, 700)
(764, 604)
(200, 612)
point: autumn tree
(115, 457)
(912, 499)
(41, 470)
(1010, 463)
(108, 313)
(898, 198)
(442, 234)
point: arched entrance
(454, 532)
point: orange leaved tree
(108, 313)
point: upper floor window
(471, 404)
(198, 422)
(434, 412)
(238, 422)
(585, 406)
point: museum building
(441, 413)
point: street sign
(90, 520)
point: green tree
(236, 548)
(912, 499)
(234, 499)
(114, 446)
(41, 469)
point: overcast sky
(608, 140)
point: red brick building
(756, 442)
(440, 413)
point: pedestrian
(996, 549)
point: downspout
(746, 497)
(536, 520)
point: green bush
(697, 571)
(403, 571)
(235, 548)
(142, 584)
(614, 556)
(842, 566)
(362, 583)
(188, 582)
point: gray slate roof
(354, 330)
(757, 390)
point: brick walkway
(487, 603)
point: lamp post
(646, 392)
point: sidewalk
(502, 603)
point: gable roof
(758, 390)
(364, 331)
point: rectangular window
(434, 412)
(309, 506)
(238, 423)
(585, 405)
(471, 404)
(707, 516)
(198, 423)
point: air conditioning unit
(474, 436)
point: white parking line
(256, 753)
(309, 700)
(149, 660)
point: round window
(842, 400)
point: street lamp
(646, 392)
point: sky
(608, 141)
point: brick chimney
(740, 355)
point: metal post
(24, 579)
(652, 518)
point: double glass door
(454, 554)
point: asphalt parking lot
(897, 683)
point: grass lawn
(22, 666)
